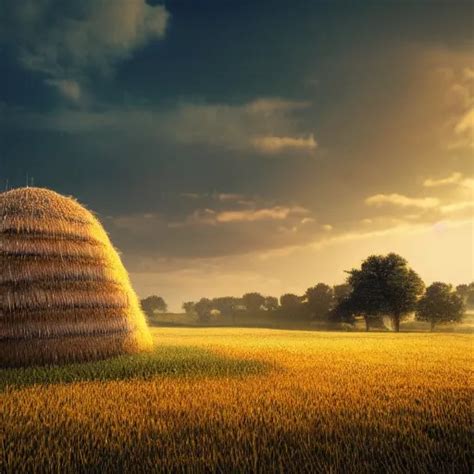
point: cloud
(274, 213)
(465, 127)
(215, 232)
(402, 201)
(273, 144)
(66, 39)
(464, 187)
(270, 105)
(468, 184)
(453, 178)
(230, 197)
(457, 207)
(214, 217)
(69, 89)
(240, 127)
(233, 127)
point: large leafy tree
(153, 304)
(341, 291)
(385, 285)
(343, 310)
(319, 299)
(203, 310)
(440, 304)
(253, 302)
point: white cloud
(402, 201)
(273, 144)
(251, 215)
(453, 178)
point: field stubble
(248, 400)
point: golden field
(259, 400)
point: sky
(234, 146)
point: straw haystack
(64, 293)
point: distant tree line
(384, 286)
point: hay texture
(64, 293)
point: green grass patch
(164, 361)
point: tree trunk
(432, 326)
(396, 323)
(367, 327)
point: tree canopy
(188, 307)
(320, 300)
(153, 303)
(253, 301)
(440, 304)
(466, 292)
(271, 303)
(203, 309)
(385, 285)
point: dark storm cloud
(66, 41)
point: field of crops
(226, 399)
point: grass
(165, 361)
(234, 400)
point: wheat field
(247, 400)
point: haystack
(64, 293)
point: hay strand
(64, 293)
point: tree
(364, 298)
(319, 299)
(152, 304)
(466, 292)
(227, 306)
(291, 306)
(253, 302)
(385, 285)
(271, 303)
(341, 291)
(203, 310)
(344, 310)
(440, 304)
(188, 307)
(290, 301)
